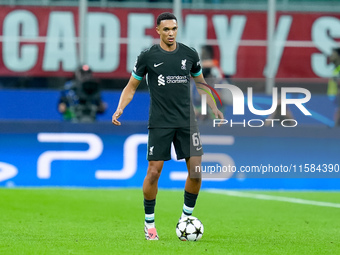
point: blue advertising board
(102, 155)
(42, 105)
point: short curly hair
(165, 16)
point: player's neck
(167, 47)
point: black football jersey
(168, 78)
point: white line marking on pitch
(274, 198)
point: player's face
(167, 30)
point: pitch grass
(99, 221)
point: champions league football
(189, 229)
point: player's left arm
(199, 82)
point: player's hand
(218, 115)
(115, 116)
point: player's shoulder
(187, 48)
(148, 50)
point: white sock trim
(150, 216)
(187, 209)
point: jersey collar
(169, 52)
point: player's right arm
(125, 98)
(138, 72)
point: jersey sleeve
(139, 70)
(196, 68)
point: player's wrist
(119, 111)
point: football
(189, 229)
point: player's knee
(197, 180)
(153, 174)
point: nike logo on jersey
(155, 65)
(198, 149)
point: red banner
(43, 41)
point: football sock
(189, 203)
(149, 209)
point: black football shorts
(186, 140)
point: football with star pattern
(189, 229)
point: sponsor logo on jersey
(184, 64)
(171, 79)
(176, 79)
(161, 80)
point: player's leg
(150, 188)
(194, 179)
(150, 185)
(188, 145)
(159, 145)
(192, 185)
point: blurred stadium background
(258, 44)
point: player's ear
(157, 30)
